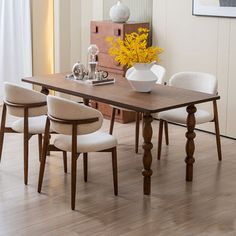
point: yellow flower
(133, 49)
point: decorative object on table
(79, 71)
(133, 51)
(225, 8)
(141, 77)
(119, 13)
(101, 75)
(92, 54)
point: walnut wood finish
(74, 155)
(217, 130)
(160, 135)
(166, 132)
(190, 146)
(44, 154)
(113, 115)
(2, 131)
(65, 161)
(40, 145)
(85, 163)
(121, 94)
(137, 124)
(147, 156)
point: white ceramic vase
(119, 13)
(141, 77)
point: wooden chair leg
(217, 130)
(26, 145)
(65, 161)
(112, 120)
(44, 155)
(166, 132)
(137, 124)
(85, 162)
(114, 168)
(3, 123)
(73, 166)
(40, 145)
(159, 146)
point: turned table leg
(147, 156)
(190, 146)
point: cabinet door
(101, 30)
(108, 61)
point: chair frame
(26, 134)
(217, 133)
(138, 116)
(74, 155)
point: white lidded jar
(119, 13)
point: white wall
(195, 43)
(141, 10)
(72, 26)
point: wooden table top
(121, 94)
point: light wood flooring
(207, 206)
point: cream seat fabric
(20, 95)
(68, 110)
(202, 82)
(36, 125)
(93, 142)
(179, 115)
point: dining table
(121, 94)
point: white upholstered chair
(160, 72)
(30, 107)
(202, 82)
(78, 132)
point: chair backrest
(158, 70)
(19, 95)
(198, 81)
(67, 110)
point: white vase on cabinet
(119, 13)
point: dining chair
(160, 72)
(202, 82)
(78, 127)
(29, 107)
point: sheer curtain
(15, 41)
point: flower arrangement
(133, 49)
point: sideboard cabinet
(99, 31)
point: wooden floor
(205, 207)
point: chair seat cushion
(93, 142)
(179, 115)
(36, 125)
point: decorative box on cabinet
(100, 30)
